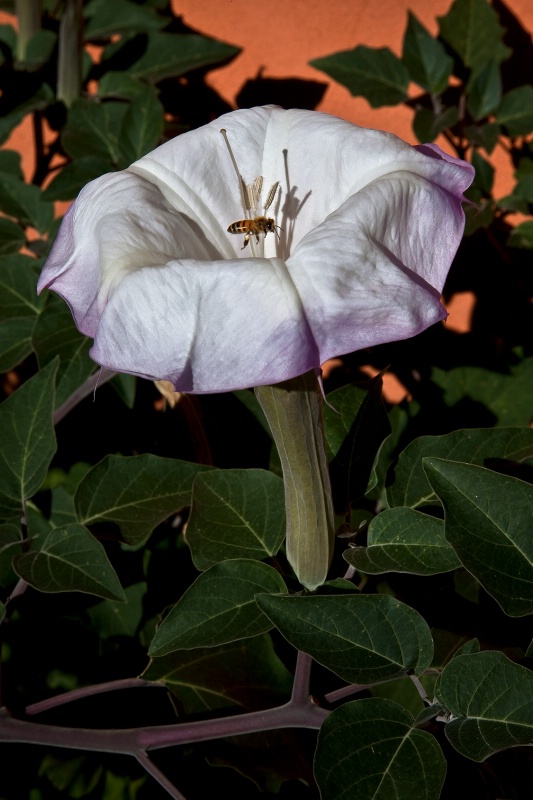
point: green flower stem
(29, 23)
(70, 53)
(294, 412)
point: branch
(132, 741)
(156, 773)
(88, 691)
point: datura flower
(188, 267)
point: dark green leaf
(126, 387)
(355, 426)
(18, 288)
(12, 237)
(25, 202)
(515, 113)
(485, 135)
(93, 129)
(219, 608)
(10, 162)
(471, 28)
(404, 540)
(113, 618)
(15, 342)
(427, 125)
(236, 514)
(10, 545)
(62, 511)
(70, 560)
(370, 750)
(120, 85)
(55, 334)
(374, 73)
(362, 638)
(472, 446)
(120, 16)
(488, 523)
(72, 178)
(522, 236)
(479, 216)
(142, 126)
(42, 98)
(39, 50)
(492, 699)
(136, 493)
(484, 91)
(247, 674)
(172, 54)
(506, 395)
(484, 177)
(425, 58)
(28, 440)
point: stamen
(240, 180)
(271, 195)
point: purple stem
(302, 677)
(159, 776)
(133, 741)
(88, 691)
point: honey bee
(262, 224)
(253, 227)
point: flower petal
(207, 326)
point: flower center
(254, 223)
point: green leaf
(485, 135)
(28, 440)
(484, 90)
(120, 85)
(492, 699)
(42, 98)
(506, 395)
(136, 493)
(515, 113)
(404, 540)
(126, 387)
(374, 73)
(236, 514)
(120, 16)
(72, 178)
(39, 50)
(361, 638)
(355, 426)
(425, 58)
(370, 750)
(522, 236)
(25, 202)
(488, 523)
(112, 618)
(142, 126)
(427, 125)
(12, 237)
(484, 177)
(55, 334)
(15, 342)
(171, 54)
(472, 30)
(247, 674)
(70, 559)
(219, 608)
(472, 446)
(18, 288)
(93, 129)
(10, 545)
(10, 162)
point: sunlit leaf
(425, 58)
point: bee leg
(246, 240)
